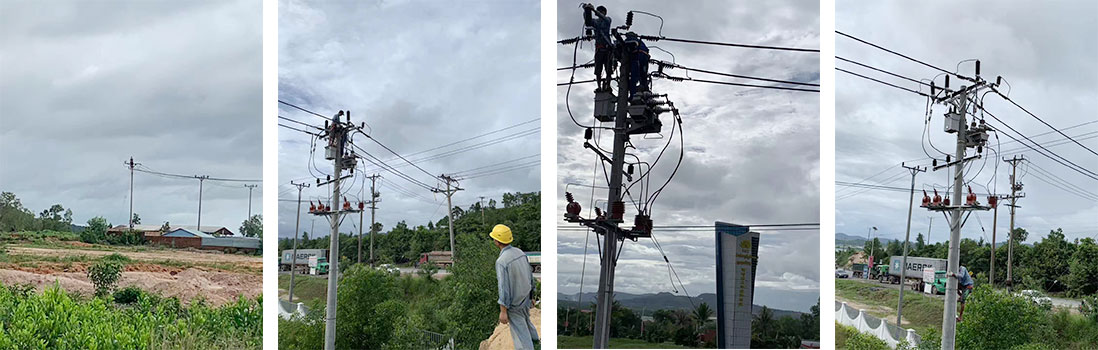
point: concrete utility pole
(976, 137)
(374, 197)
(131, 164)
(449, 192)
(1015, 186)
(928, 227)
(907, 238)
(336, 133)
(297, 226)
(250, 188)
(201, 179)
(612, 236)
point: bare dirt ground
(501, 337)
(217, 286)
(186, 256)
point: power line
(1077, 168)
(882, 82)
(746, 76)
(735, 84)
(779, 48)
(1005, 97)
(150, 171)
(882, 71)
(396, 154)
(902, 55)
(295, 121)
(495, 164)
(303, 109)
(294, 129)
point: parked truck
(442, 259)
(859, 270)
(915, 267)
(307, 261)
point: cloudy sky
(176, 85)
(1048, 55)
(752, 155)
(422, 76)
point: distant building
(157, 230)
(186, 238)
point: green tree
(96, 231)
(253, 227)
(369, 306)
(1049, 262)
(701, 315)
(104, 275)
(1083, 276)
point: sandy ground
(216, 286)
(501, 337)
(188, 256)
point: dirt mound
(501, 337)
(186, 284)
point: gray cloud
(175, 85)
(421, 75)
(752, 155)
(1045, 51)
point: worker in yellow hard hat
(515, 280)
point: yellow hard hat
(502, 234)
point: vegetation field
(128, 319)
(569, 342)
(993, 319)
(307, 289)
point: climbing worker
(515, 282)
(965, 283)
(600, 25)
(638, 63)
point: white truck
(915, 267)
(307, 260)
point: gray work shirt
(515, 278)
(963, 278)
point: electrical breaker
(952, 122)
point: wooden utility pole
(131, 165)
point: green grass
(307, 289)
(567, 342)
(920, 310)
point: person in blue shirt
(515, 282)
(600, 25)
(638, 63)
(965, 283)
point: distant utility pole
(449, 192)
(974, 136)
(994, 228)
(481, 210)
(373, 205)
(336, 132)
(201, 179)
(374, 197)
(131, 164)
(250, 188)
(907, 239)
(872, 247)
(297, 227)
(1015, 186)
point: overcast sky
(177, 85)
(752, 154)
(1047, 52)
(421, 75)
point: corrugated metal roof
(182, 232)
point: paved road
(1057, 302)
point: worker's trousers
(523, 332)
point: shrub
(117, 258)
(999, 320)
(96, 231)
(128, 295)
(104, 275)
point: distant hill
(76, 228)
(845, 239)
(661, 301)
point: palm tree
(764, 322)
(701, 315)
